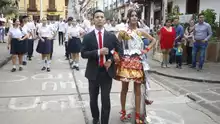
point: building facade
(196, 6)
(52, 9)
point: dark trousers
(61, 38)
(51, 54)
(66, 51)
(179, 60)
(30, 47)
(172, 56)
(104, 82)
(189, 54)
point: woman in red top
(167, 37)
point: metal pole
(25, 6)
(41, 9)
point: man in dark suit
(97, 47)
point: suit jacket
(90, 51)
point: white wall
(181, 4)
(204, 4)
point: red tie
(101, 61)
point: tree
(8, 6)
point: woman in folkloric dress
(17, 43)
(44, 46)
(132, 64)
(73, 34)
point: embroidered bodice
(132, 42)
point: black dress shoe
(13, 69)
(48, 69)
(95, 121)
(24, 63)
(20, 69)
(44, 68)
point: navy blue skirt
(74, 45)
(18, 47)
(44, 47)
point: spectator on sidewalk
(167, 37)
(2, 31)
(179, 53)
(189, 39)
(202, 34)
(179, 35)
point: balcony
(32, 8)
(51, 8)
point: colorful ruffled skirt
(129, 69)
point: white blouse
(72, 31)
(17, 32)
(45, 31)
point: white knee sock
(25, 58)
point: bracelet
(148, 49)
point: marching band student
(17, 43)
(44, 46)
(54, 27)
(24, 24)
(32, 37)
(67, 26)
(74, 33)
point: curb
(184, 78)
(4, 62)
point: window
(51, 3)
(32, 3)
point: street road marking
(19, 79)
(72, 102)
(44, 84)
(45, 76)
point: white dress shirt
(61, 26)
(97, 38)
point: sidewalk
(210, 72)
(4, 54)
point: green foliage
(175, 12)
(210, 17)
(8, 7)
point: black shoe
(29, 59)
(95, 121)
(20, 69)
(44, 68)
(13, 69)
(193, 67)
(77, 68)
(24, 63)
(199, 69)
(177, 66)
(48, 69)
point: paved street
(61, 97)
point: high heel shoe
(138, 119)
(123, 116)
(148, 102)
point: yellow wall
(60, 6)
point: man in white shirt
(61, 30)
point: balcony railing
(52, 8)
(32, 8)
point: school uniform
(73, 36)
(18, 47)
(28, 30)
(32, 27)
(45, 47)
